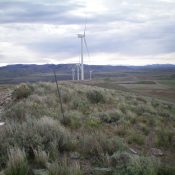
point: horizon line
(124, 65)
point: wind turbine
(83, 42)
(90, 74)
(78, 71)
(73, 74)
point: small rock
(74, 155)
(156, 152)
(2, 123)
(102, 171)
(40, 172)
(133, 151)
(2, 173)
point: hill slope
(102, 132)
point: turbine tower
(83, 42)
(90, 74)
(78, 71)
(73, 74)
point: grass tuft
(17, 163)
(64, 168)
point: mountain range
(31, 73)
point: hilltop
(102, 132)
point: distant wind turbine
(73, 74)
(83, 42)
(78, 71)
(90, 74)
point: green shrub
(98, 144)
(165, 114)
(121, 130)
(17, 163)
(131, 116)
(81, 105)
(140, 109)
(93, 122)
(141, 99)
(114, 144)
(111, 116)
(166, 170)
(72, 119)
(155, 103)
(124, 107)
(37, 133)
(66, 96)
(49, 130)
(22, 91)
(144, 128)
(90, 144)
(127, 164)
(41, 157)
(17, 112)
(135, 137)
(95, 96)
(164, 137)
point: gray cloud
(32, 12)
(128, 28)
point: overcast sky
(119, 32)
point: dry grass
(98, 124)
(17, 162)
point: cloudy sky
(119, 32)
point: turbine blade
(85, 26)
(85, 42)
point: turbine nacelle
(81, 35)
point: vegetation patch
(95, 135)
(64, 168)
(111, 116)
(22, 91)
(17, 162)
(136, 137)
(125, 163)
(95, 96)
(164, 137)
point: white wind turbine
(78, 71)
(73, 74)
(83, 42)
(90, 74)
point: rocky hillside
(101, 132)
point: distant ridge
(31, 72)
(61, 67)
